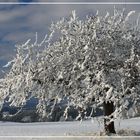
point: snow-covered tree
(93, 62)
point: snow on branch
(91, 61)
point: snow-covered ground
(86, 128)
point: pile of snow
(74, 128)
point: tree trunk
(108, 110)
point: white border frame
(58, 137)
(71, 3)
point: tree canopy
(91, 61)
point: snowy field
(83, 131)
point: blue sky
(18, 23)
